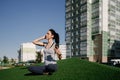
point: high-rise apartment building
(93, 29)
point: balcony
(95, 1)
(96, 16)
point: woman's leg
(51, 68)
(37, 69)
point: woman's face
(49, 35)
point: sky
(23, 21)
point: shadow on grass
(35, 74)
(32, 74)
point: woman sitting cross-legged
(51, 48)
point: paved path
(4, 68)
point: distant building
(63, 51)
(27, 52)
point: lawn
(69, 69)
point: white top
(49, 55)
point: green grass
(69, 69)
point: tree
(5, 59)
(0, 60)
(39, 57)
(12, 61)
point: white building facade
(63, 51)
(27, 52)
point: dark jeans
(41, 69)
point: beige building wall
(27, 52)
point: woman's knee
(51, 67)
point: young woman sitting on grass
(51, 48)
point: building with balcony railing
(93, 29)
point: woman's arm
(37, 41)
(59, 55)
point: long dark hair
(56, 37)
